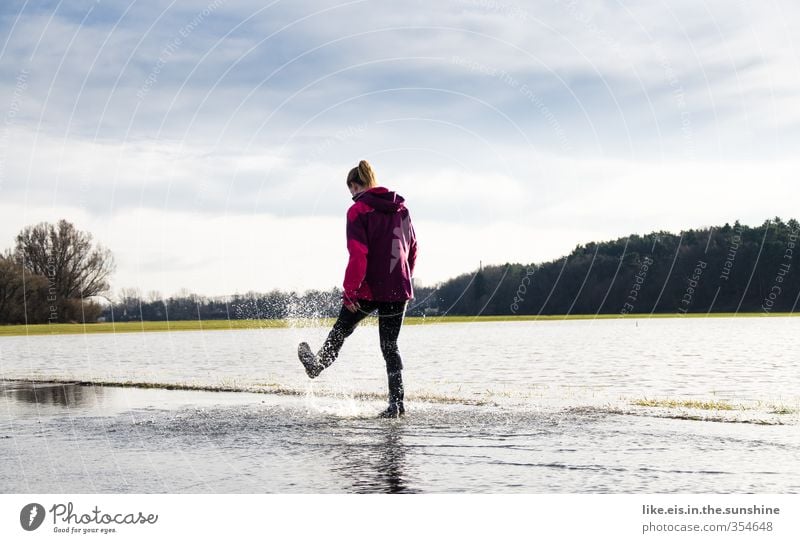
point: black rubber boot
(310, 361)
(396, 407)
(394, 411)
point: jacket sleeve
(412, 246)
(357, 247)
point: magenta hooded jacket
(382, 247)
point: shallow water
(493, 407)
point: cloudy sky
(207, 142)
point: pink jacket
(382, 247)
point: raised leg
(342, 328)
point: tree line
(132, 306)
(55, 273)
(730, 268)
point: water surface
(493, 407)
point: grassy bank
(253, 324)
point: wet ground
(61, 437)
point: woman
(383, 251)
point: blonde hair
(362, 175)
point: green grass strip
(256, 324)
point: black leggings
(390, 319)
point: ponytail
(362, 175)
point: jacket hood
(381, 199)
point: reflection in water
(380, 465)
(58, 394)
(391, 466)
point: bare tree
(74, 266)
(130, 296)
(21, 301)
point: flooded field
(661, 405)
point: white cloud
(639, 117)
(167, 249)
(170, 250)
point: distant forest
(730, 268)
(56, 273)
